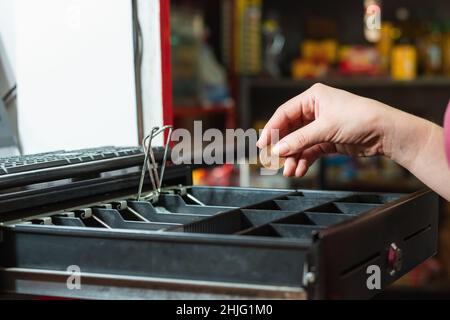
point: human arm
(325, 120)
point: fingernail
(281, 148)
(258, 143)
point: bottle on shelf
(404, 52)
(384, 46)
(433, 51)
(446, 50)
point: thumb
(299, 140)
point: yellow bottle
(384, 46)
(446, 51)
(404, 62)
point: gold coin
(269, 160)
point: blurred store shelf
(351, 82)
(195, 112)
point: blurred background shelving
(235, 61)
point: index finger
(293, 113)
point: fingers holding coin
(269, 160)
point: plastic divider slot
(113, 219)
(284, 231)
(235, 221)
(355, 208)
(297, 219)
(129, 214)
(67, 221)
(370, 198)
(303, 198)
(260, 217)
(329, 208)
(234, 197)
(315, 219)
(264, 231)
(230, 223)
(267, 205)
(294, 231)
(325, 194)
(92, 223)
(344, 207)
(328, 219)
(147, 211)
(175, 203)
(298, 204)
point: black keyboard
(26, 169)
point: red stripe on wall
(166, 66)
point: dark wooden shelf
(440, 81)
(425, 97)
(228, 110)
(194, 110)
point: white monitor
(75, 72)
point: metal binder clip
(150, 162)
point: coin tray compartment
(292, 215)
(238, 211)
(237, 237)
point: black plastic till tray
(316, 241)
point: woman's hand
(326, 120)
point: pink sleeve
(447, 133)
